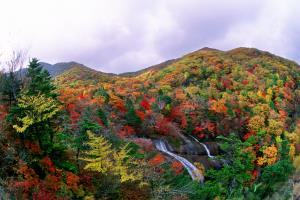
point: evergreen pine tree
(29, 118)
(39, 80)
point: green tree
(39, 80)
(36, 109)
(85, 124)
(32, 117)
(131, 117)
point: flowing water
(205, 147)
(192, 169)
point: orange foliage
(140, 114)
(126, 131)
(30, 179)
(177, 167)
(218, 106)
(72, 181)
(158, 159)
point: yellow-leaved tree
(101, 157)
(35, 109)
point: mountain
(247, 97)
(85, 75)
(227, 119)
(151, 68)
(58, 68)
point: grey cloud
(114, 36)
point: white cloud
(118, 35)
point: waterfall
(205, 147)
(192, 169)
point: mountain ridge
(62, 67)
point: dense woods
(89, 135)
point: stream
(205, 147)
(192, 169)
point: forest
(210, 125)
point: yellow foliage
(192, 90)
(275, 127)
(261, 109)
(261, 161)
(37, 109)
(121, 165)
(102, 158)
(292, 151)
(260, 94)
(256, 123)
(269, 157)
(98, 158)
(270, 91)
(292, 137)
(297, 163)
(200, 167)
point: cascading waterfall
(223, 161)
(192, 169)
(205, 147)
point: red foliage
(152, 100)
(99, 121)
(157, 160)
(71, 106)
(33, 147)
(247, 135)
(126, 131)
(47, 162)
(52, 182)
(81, 96)
(298, 148)
(176, 112)
(198, 129)
(30, 179)
(42, 194)
(177, 167)
(3, 112)
(211, 126)
(227, 83)
(74, 117)
(254, 174)
(146, 144)
(86, 180)
(72, 181)
(184, 122)
(201, 136)
(162, 126)
(245, 82)
(145, 104)
(140, 114)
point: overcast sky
(127, 35)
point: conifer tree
(101, 157)
(39, 80)
(36, 108)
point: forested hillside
(209, 125)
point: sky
(127, 35)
